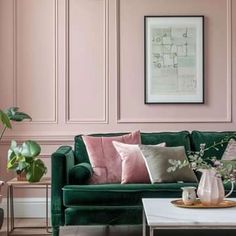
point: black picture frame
(174, 59)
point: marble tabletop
(160, 212)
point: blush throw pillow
(134, 169)
(230, 151)
(157, 162)
(104, 159)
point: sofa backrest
(209, 138)
(172, 139)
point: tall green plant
(11, 114)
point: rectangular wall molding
(105, 80)
(227, 116)
(42, 139)
(54, 115)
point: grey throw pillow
(156, 159)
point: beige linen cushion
(156, 159)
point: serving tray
(198, 204)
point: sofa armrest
(61, 162)
(80, 173)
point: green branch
(2, 132)
(225, 140)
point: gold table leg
(10, 206)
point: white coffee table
(159, 213)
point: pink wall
(77, 67)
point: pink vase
(211, 189)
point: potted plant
(23, 159)
(1, 210)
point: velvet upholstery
(62, 161)
(75, 204)
(80, 173)
(103, 215)
(118, 194)
(172, 139)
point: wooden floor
(101, 231)
(71, 230)
(26, 223)
(105, 231)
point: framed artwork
(174, 63)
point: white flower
(217, 163)
(193, 165)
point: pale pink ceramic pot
(211, 189)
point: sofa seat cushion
(119, 194)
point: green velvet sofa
(77, 203)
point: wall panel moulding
(217, 63)
(87, 61)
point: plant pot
(21, 176)
(1, 217)
(1, 210)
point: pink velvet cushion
(104, 158)
(134, 169)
